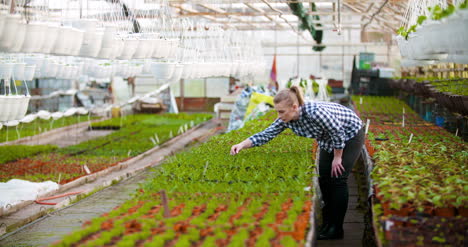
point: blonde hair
(290, 95)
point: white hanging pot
(18, 71)
(158, 46)
(2, 23)
(76, 42)
(50, 39)
(119, 47)
(4, 109)
(165, 49)
(15, 105)
(174, 47)
(108, 43)
(147, 66)
(20, 36)
(60, 46)
(91, 45)
(108, 38)
(144, 49)
(35, 60)
(34, 38)
(6, 70)
(162, 70)
(29, 72)
(23, 107)
(177, 74)
(130, 47)
(9, 32)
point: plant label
(456, 132)
(165, 204)
(388, 225)
(170, 134)
(153, 141)
(360, 100)
(86, 169)
(156, 137)
(129, 152)
(59, 178)
(367, 125)
(185, 127)
(403, 121)
(192, 124)
(410, 138)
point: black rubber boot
(333, 232)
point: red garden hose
(40, 200)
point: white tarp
(17, 190)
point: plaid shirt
(330, 123)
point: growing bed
(136, 134)
(419, 178)
(255, 198)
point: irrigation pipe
(40, 200)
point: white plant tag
(456, 132)
(129, 152)
(153, 141)
(185, 127)
(388, 225)
(360, 100)
(410, 138)
(60, 178)
(192, 124)
(403, 121)
(157, 138)
(367, 125)
(86, 169)
(170, 134)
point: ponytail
(298, 92)
(290, 95)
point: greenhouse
(233, 123)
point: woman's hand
(238, 147)
(337, 167)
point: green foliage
(16, 152)
(38, 126)
(207, 175)
(431, 169)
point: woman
(340, 136)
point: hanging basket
(10, 30)
(162, 70)
(91, 45)
(6, 70)
(34, 38)
(19, 37)
(18, 71)
(129, 48)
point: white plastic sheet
(17, 190)
(11, 123)
(28, 118)
(44, 115)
